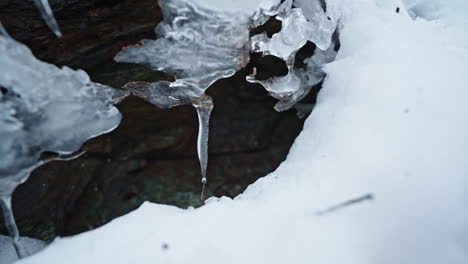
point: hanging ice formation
(44, 109)
(202, 41)
(48, 16)
(198, 46)
(318, 27)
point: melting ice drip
(201, 42)
(44, 109)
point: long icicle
(10, 223)
(5, 202)
(204, 108)
(48, 16)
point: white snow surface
(390, 121)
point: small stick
(367, 197)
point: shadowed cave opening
(151, 156)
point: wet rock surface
(152, 155)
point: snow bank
(390, 122)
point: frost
(48, 16)
(44, 109)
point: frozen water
(48, 16)
(204, 108)
(5, 203)
(323, 23)
(169, 94)
(284, 44)
(295, 32)
(7, 250)
(195, 44)
(44, 108)
(199, 42)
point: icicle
(204, 108)
(5, 202)
(3, 31)
(9, 184)
(198, 45)
(181, 92)
(48, 16)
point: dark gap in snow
(267, 66)
(323, 4)
(336, 40)
(3, 90)
(303, 53)
(271, 27)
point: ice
(295, 32)
(5, 203)
(204, 108)
(44, 109)
(390, 122)
(48, 16)
(8, 253)
(293, 35)
(322, 22)
(170, 94)
(199, 43)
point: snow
(389, 122)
